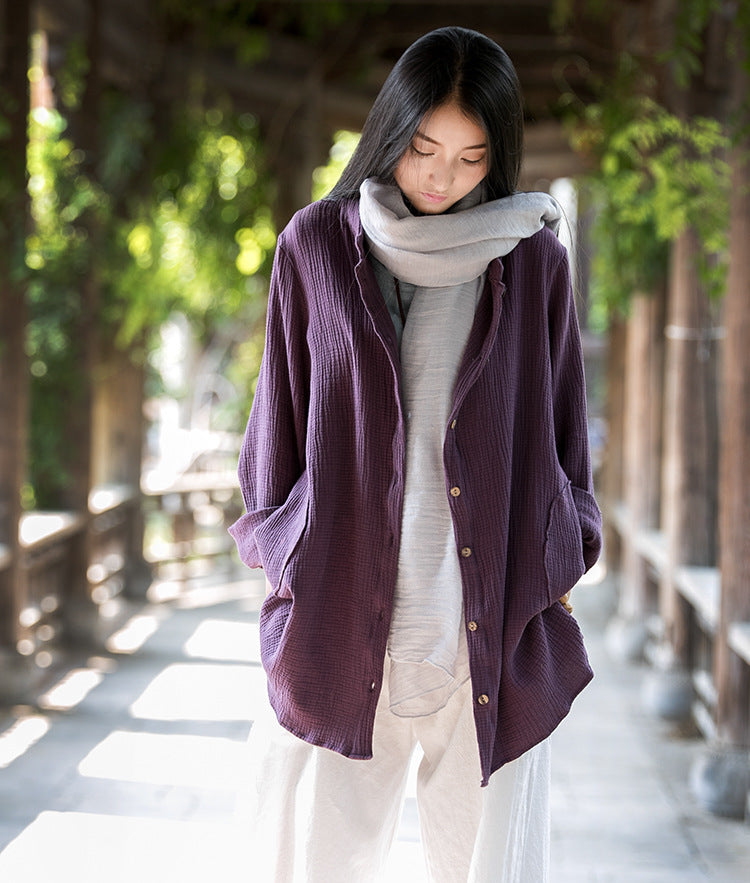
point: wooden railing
(49, 545)
(76, 574)
(194, 511)
(115, 541)
(698, 591)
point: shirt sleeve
(271, 465)
(569, 409)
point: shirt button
(483, 699)
(466, 552)
(453, 424)
(455, 491)
(372, 686)
(472, 626)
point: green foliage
(58, 253)
(325, 177)
(692, 17)
(71, 78)
(563, 13)
(228, 23)
(654, 175)
(61, 195)
(178, 222)
(200, 241)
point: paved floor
(129, 769)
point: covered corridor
(125, 700)
(131, 767)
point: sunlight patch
(197, 691)
(177, 760)
(17, 740)
(90, 848)
(71, 690)
(134, 634)
(225, 641)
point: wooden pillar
(14, 377)
(643, 383)
(612, 467)
(690, 426)
(295, 147)
(721, 777)
(734, 508)
(117, 418)
(611, 475)
(689, 467)
(117, 447)
(693, 335)
(79, 612)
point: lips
(435, 198)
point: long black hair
(448, 64)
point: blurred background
(150, 151)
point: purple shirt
(322, 475)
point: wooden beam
(351, 60)
(14, 376)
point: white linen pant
(314, 816)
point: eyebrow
(424, 137)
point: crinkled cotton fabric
(426, 626)
(322, 476)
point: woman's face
(446, 160)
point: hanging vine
(654, 174)
(185, 227)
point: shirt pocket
(278, 536)
(563, 545)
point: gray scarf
(445, 256)
(436, 251)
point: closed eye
(419, 152)
(473, 162)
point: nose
(441, 176)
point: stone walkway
(129, 769)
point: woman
(418, 490)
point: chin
(428, 208)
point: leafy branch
(653, 176)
